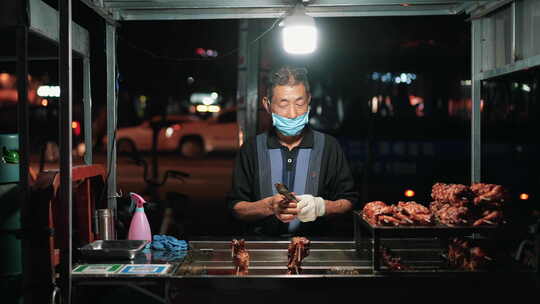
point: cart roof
(239, 9)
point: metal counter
(332, 271)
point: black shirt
(335, 180)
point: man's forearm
(337, 207)
(252, 211)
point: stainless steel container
(113, 249)
(105, 224)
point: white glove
(310, 207)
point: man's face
(289, 101)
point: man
(311, 164)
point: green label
(97, 268)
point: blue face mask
(290, 126)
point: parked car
(191, 137)
(218, 133)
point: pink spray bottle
(139, 229)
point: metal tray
(112, 249)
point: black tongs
(282, 189)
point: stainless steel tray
(112, 249)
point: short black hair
(287, 76)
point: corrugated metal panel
(503, 37)
(44, 20)
(497, 39)
(487, 46)
(528, 28)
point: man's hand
(284, 210)
(310, 207)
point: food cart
(335, 269)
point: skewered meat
(490, 217)
(436, 206)
(414, 213)
(457, 204)
(240, 257)
(454, 194)
(297, 251)
(392, 262)
(379, 213)
(488, 193)
(405, 213)
(456, 253)
(463, 255)
(373, 209)
(454, 205)
(413, 208)
(451, 215)
(282, 189)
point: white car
(218, 133)
(191, 137)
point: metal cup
(105, 224)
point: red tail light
(76, 126)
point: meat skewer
(240, 257)
(297, 251)
(454, 194)
(282, 189)
(490, 218)
(453, 205)
(463, 255)
(488, 193)
(480, 204)
(393, 263)
(404, 213)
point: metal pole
(87, 97)
(476, 63)
(252, 88)
(65, 148)
(242, 77)
(24, 146)
(513, 56)
(111, 115)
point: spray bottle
(139, 229)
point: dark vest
(306, 179)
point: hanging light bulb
(299, 32)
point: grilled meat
(297, 251)
(488, 193)
(489, 217)
(451, 215)
(466, 256)
(454, 194)
(240, 257)
(378, 213)
(454, 205)
(282, 189)
(392, 262)
(415, 213)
